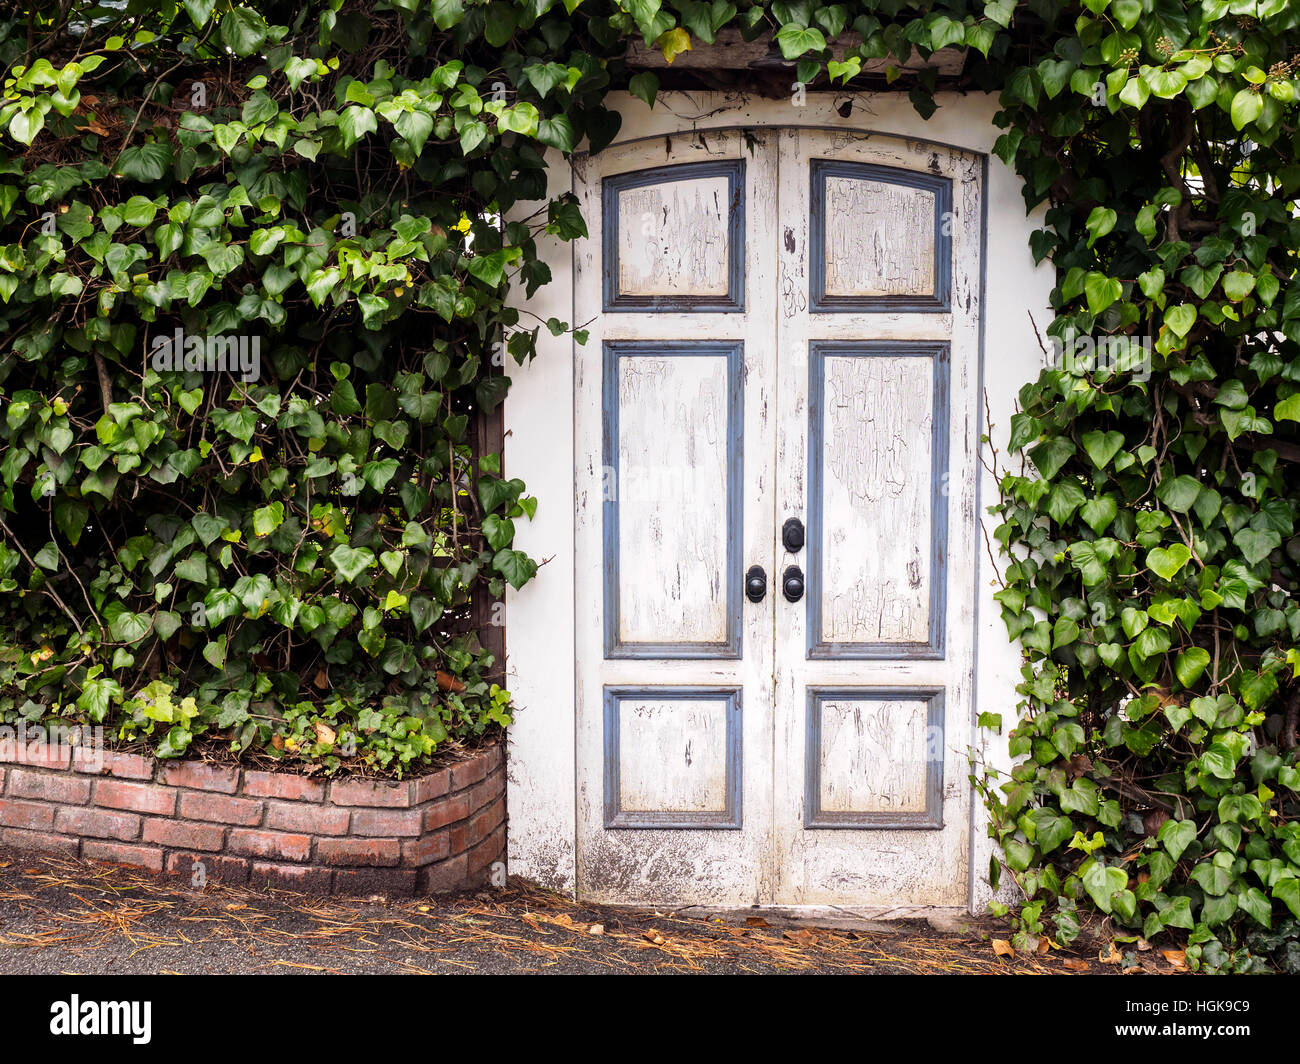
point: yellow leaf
(673, 43)
(1003, 948)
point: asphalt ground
(59, 915)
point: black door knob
(755, 583)
(792, 583)
(792, 535)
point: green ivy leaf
(243, 31)
(1287, 891)
(1247, 106)
(351, 562)
(1166, 562)
(795, 40)
(1103, 882)
(1176, 836)
(1190, 664)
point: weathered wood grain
(673, 755)
(877, 483)
(873, 755)
(672, 239)
(878, 239)
(672, 499)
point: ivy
(1151, 561)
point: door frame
(541, 639)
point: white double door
(783, 347)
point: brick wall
(437, 832)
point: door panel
(674, 473)
(677, 233)
(870, 758)
(673, 758)
(783, 324)
(877, 238)
(878, 447)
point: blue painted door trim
(933, 648)
(940, 301)
(734, 301)
(729, 818)
(930, 818)
(733, 351)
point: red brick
(445, 812)
(110, 763)
(446, 875)
(283, 785)
(369, 852)
(50, 786)
(2, 781)
(292, 877)
(364, 882)
(34, 816)
(487, 852)
(371, 792)
(387, 822)
(39, 841)
(98, 823)
(426, 849)
(200, 777)
(230, 870)
(270, 844)
(245, 811)
(184, 835)
(485, 793)
(38, 755)
(313, 819)
(147, 857)
(495, 756)
(138, 797)
(434, 785)
(485, 820)
(468, 772)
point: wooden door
(783, 329)
(878, 429)
(675, 419)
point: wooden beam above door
(732, 52)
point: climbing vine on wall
(254, 277)
(1156, 560)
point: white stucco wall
(539, 448)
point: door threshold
(884, 919)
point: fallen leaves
(525, 930)
(447, 682)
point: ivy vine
(1154, 559)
